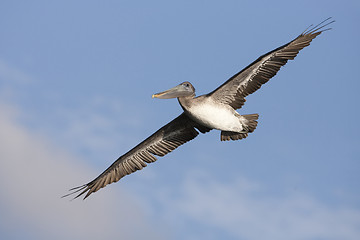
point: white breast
(213, 115)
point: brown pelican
(216, 110)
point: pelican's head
(184, 89)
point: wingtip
(76, 190)
(319, 28)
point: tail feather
(250, 124)
(227, 136)
(251, 121)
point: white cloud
(33, 176)
(241, 209)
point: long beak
(171, 93)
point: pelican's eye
(186, 85)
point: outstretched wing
(250, 79)
(166, 139)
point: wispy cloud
(91, 123)
(13, 74)
(33, 176)
(242, 209)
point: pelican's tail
(249, 124)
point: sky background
(76, 79)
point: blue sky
(76, 79)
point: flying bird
(215, 110)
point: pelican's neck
(185, 102)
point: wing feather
(166, 139)
(250, 79)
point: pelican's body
(216, 110)
(211, 114)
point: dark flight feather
(166, 139)
(251, 78)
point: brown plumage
(166, 139)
